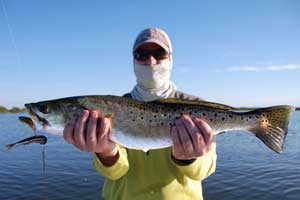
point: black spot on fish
(190, 113)
(230, 116)
(142, 117)
(154, 116)
(162, 123)
(216, 115)
(150, 120)
(223, 118)
(203, 114)
(211, 120)
(242, 118)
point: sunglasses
(158, 54)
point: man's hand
(90, 133)
(192, 138)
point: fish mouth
(36, 117)
(30, 111)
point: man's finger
(184, 137)
(196, 135)
(91, 137)
(69, 130)
(193, 131)
(177, 148)
(205, 129)
(103, 130)
(79, 133)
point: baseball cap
(154, 35)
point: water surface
(246, 168)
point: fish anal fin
(146, 151)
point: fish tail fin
(274, 126)
(9, 146)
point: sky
(240, 53)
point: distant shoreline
(12, 110)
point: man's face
(150, 54)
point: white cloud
(260, 68)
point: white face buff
(153, 77)
(153, 82)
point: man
(169, 173)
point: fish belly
(132, 141)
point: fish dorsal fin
(196, 103)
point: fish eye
(44, 109)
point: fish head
(53, 114)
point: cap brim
(152, 41)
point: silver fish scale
(149, 121)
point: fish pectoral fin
(108, 116)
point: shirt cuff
(117, 170)
(199, 168)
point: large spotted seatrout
(146, 125)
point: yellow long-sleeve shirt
(137, 175)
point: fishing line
(43, 159)
(11, 35)
(45, 182)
